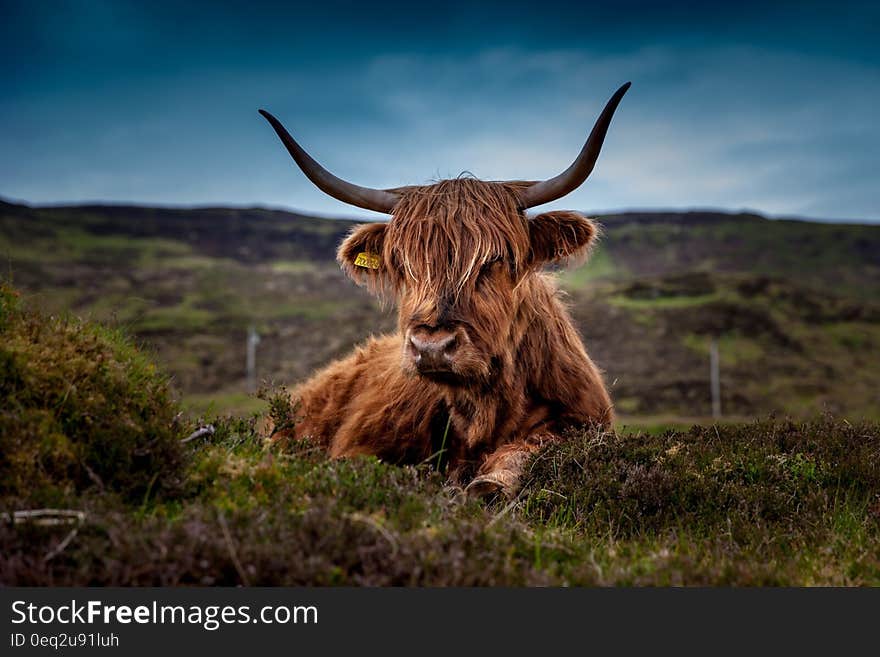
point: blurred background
(737, 186)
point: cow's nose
(432, 351)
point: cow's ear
(360, 256)
(559, 236)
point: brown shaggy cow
(486, 365)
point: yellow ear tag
(368, 260)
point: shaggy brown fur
(463, 262)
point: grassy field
(766, 503)
(89, 430)
(759, 503)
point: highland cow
(486, 365)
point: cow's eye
(488, 269)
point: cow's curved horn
(570, 179)
(363, 197)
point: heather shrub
(81, 407)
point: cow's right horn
(362, 197)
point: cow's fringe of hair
(468, 216)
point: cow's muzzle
(432, 351)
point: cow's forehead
(450, 229)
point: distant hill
(245, 234)
(826, 255)
(833, 256)
(793, 300)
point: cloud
(726, 127)
(723, 126)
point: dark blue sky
(743, 105)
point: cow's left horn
(363, 197)
(570, 179)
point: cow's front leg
(502, 470)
